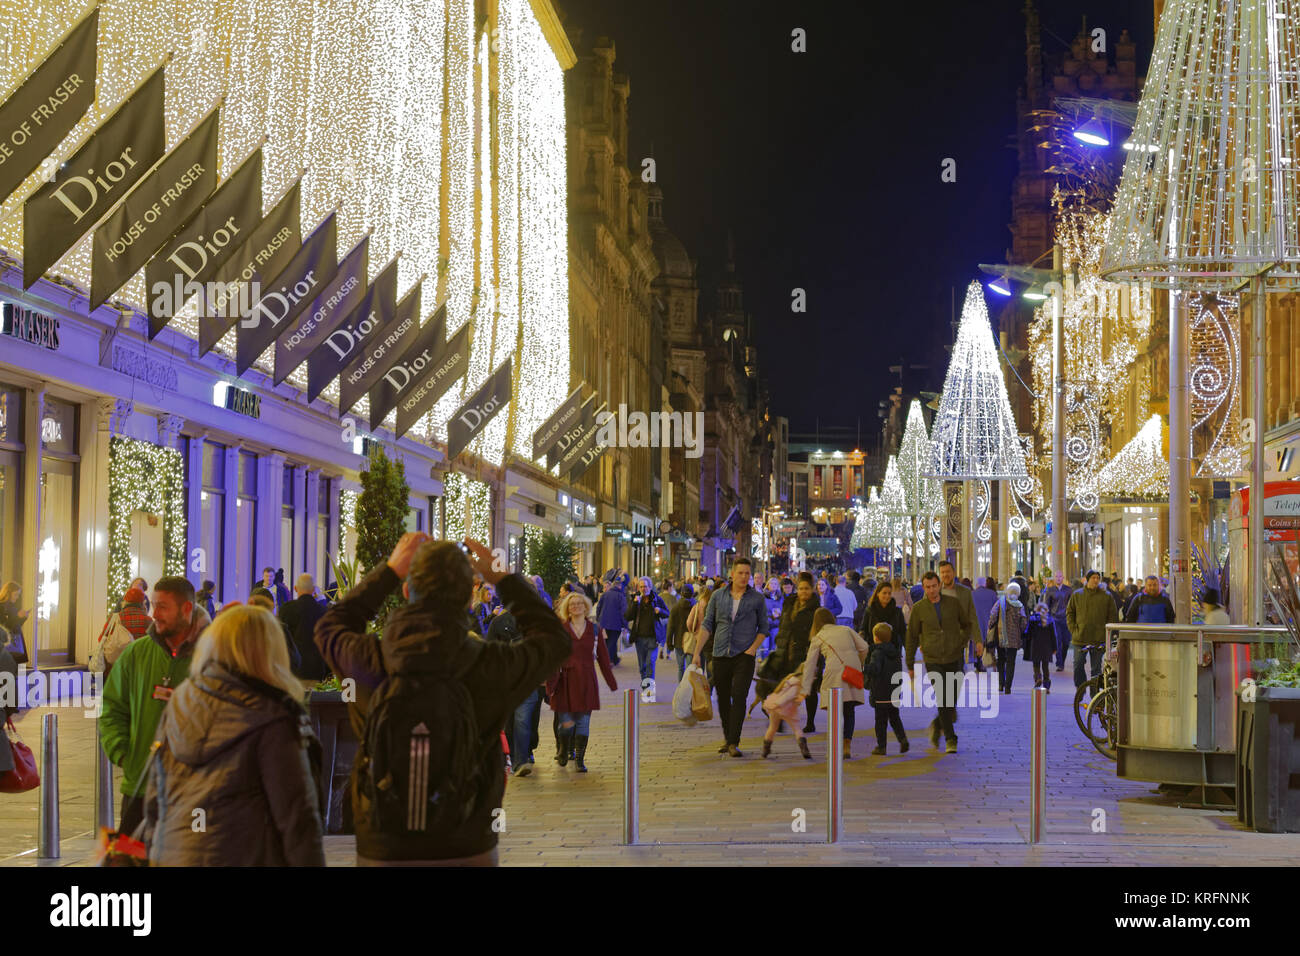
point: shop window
(10, 551)
(248, 474)
(59, 428)
(11, 416)
(214, 466)
(56, 582)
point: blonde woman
(573, 691)
(236, 743)
(693, 638)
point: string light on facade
(974, 431)
(467, 507)
(1214, 327)
(1141, 468)
(151, 479)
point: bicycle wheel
(1082, 696)
(1103, 724)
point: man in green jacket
(940, 625)
(140, 684)
(949, 586)
(1089, 611)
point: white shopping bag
(682, 703)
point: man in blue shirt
(735, 624)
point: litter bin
(1268, 760)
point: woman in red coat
(573, 692)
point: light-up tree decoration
(1141, 468)
(975, 433)
(918, 491)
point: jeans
(1006, 666)
(647, 648)
(946, 689)
(732, 676)
(682, 660)
(1094, 658)
(580, 723)
(611, 643)
(521, 740)
(888, 715)
(1062, 641)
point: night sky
(826, 164)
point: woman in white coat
(842, 647)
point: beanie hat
(133, 596)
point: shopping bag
(701, 696)
(24, 776)
(683, 701)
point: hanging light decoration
(1141, 469)
(974, 432)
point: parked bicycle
(1096, 706)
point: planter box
(329, 718)
(1268, 761)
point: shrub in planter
(1268, 750)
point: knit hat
(1013, 589)
(133, 596)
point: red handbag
(24, 776)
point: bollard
(835, 768)
(631, 759)
(103, 787)
(47, 824)
(1037, 765)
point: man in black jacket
(299, 617)
(436, 578)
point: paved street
(923, 808)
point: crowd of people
(203, 707)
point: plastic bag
(683, 703)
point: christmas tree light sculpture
(1141, 469)
(975, 433)
(919, 493)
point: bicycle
(1096, 707)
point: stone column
(310, 515)
(194, 555)
(231, 589)
(270, 502)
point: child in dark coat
(884, 662)
(1040, 645)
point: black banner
(393, 379)
(196, 253)
(48, 104)
(267, 252)
(336, 300)
(356, 379)
(358, 330)
(89, 184)
(574, 433)
(432, 373)
(310, 270)
(155, 210)
(582, 452)
(472, 417)
(544, 438)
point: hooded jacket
(498, 676)
(611, 608)
(132, 708)
(244, 753)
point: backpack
(421, 753)
(112, 641)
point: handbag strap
(828, 647)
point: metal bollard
(631, 768)
(1037, 765)
(47, 824)
(835, 768)
(103, 787)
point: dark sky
(826, 164)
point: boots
(562, 747)
(803, 748)
(580, 752)
(767, 747)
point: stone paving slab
(699, 808)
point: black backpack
(421, 757)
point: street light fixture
(1093, 133)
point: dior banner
(192, 257)
(584, 451)
(373, 359)
(95, 179)
(472, 417)
(364, 325)
(544, 438)
(573, 433)
(269, 249)
(48, 104)
(431, 374)
(343, 293)
(155, 210)
(396, 375)
(310, 270)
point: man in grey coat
(951, 587)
